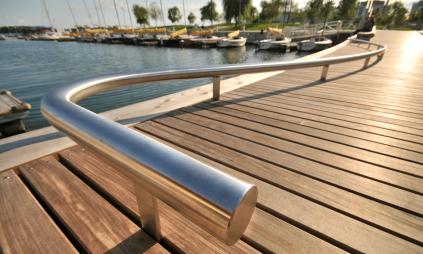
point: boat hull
(227, 43)
(312, 46)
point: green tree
(235, 9)
(270, 10)
(397, 14)
(314, 10)
(328, 10)
(141, 14)
(208, 12)
(155, 12)
(346, 9)
(191, 18)
(173, 14)
(417, 14)
(251, 14)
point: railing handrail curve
(219, 203)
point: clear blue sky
(31, 12)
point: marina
(331, 141)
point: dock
(12, 113)
(338, 164)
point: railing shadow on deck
(133, 244)
(286, 90)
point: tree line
(243, 12)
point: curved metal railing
(219, 203)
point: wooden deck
(338, 164)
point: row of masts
(99, 10)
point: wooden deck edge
(20, 149)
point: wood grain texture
(93, 222)
(282, 200)
(184, 235)
(177, 231)
(24, 226)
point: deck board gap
(307, 158)
(56, 219)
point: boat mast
(117, 13)
(72, 14)
(102, 13)
(97, 13)
(88, 12)
(47, 13)
(146, 6)
(123, 17)
(130, 17)
(161, 6)
(185, 19)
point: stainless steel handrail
(219, 203)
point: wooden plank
(326, 134)
(278, 139)
(279, 114)
(275, 96)
(313, 128)
(93, 222)
(375, 213)
(24, 226)
(367, 155)
(345, 118)
(177, 231)
(340, 97)
(397, 197)
(278, 198)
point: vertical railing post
(216, 88)
(366, 63)
(324, 72)
(149, 213)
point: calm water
(31, 68)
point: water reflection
(31, 68)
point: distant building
(376, 7)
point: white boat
(206, 42)
(232, 40)
(274, 44)
(314, 44)
(276, 40)
(49, 36)
(232, 43)
(2, 37)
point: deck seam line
(277, 214)
(331, 117)
(312, 127)
(245, 106)
(274, 148)
(330, 140)
(165, 243)
(67, 232)
(306, 175)
(282, 96)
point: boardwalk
(338, 165)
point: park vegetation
(242, 14)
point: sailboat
(314, 44)
(204, 39)
(176, 39)
(232, 40)
(276, 40)
(2, 37)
